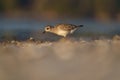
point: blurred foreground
(61, 60)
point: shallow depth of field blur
(90, 53)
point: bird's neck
(53, 30)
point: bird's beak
(44, 32)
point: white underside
(73, 30)
(62, 33)
(65, 33)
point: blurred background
(21, 19)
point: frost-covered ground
(61, 60)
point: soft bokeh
(51, 9)
(22, 19)
(91, 53)
(62, 60)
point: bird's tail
(80, 25)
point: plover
(62, 29)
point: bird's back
(66, 27)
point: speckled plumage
(62, 29)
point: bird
(62, 29)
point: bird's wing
(67, 27)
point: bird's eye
(47, 28)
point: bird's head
(47, 29)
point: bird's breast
(62, 33)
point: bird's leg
(63, 39)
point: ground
(60, 60)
